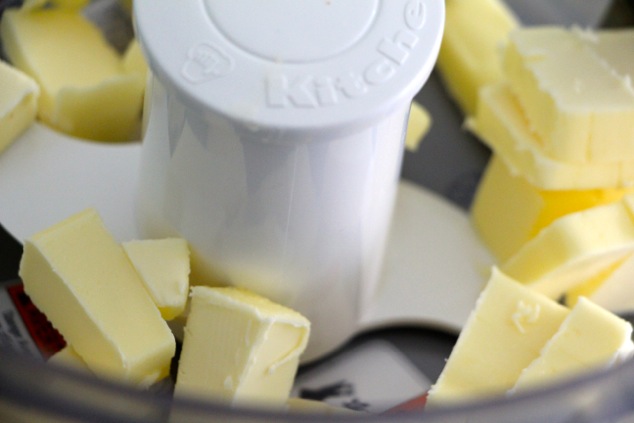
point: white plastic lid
(292, 64)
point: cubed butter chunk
(471, 51)
(68, 357)
(575, 248)
(85, 91)
(508, 211)
(504, 333)
(18, 103)
(163, 265)
(502, 125)
(588, 339)
(81, 279)
(611, 289)
(240, 348)
(579, 103)
(417, 126)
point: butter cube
(18, 103)
(471, 51)
(504, 333)
(85, 91)
(589, 338)
(611, 289)
(80, 277)
(579, 103)
(417, 127)
(508, 211)
(68, 357)
(163, 265)
(502, 125)
(575, 248)
(240, 348)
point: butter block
(418, 125)
(575, 248)
(81, 279)
(611, 289)
(500, 123)
(589, 338)
(240, 348)
(163, 265)
(68, 357)
(85, 91)
(508, 211)
(504, 333)
(18, 103)
(576, 100)
(471, 51)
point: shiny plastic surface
(276, 150)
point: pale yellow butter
(240, 348)
(68, 357)
(611, 289)
(417, 127)
(18, 103)
(85, 91)
(80, 277)
(501, 124)
(471, 51)
(503, 334)
(508, 211)
(589, 338)
(163, 265)
(579, 103)
(575, 248)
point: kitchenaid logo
(313, 91)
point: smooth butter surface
(508, 211)
(578, 102)
(504, 333)
(471, 51)
(611, 288)
(240, 348)
(18, 103)
(163, 266)
(589, 338)
(575, 248)
(78, 275)
(501, 124)
(85, 91)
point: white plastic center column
(273, 142)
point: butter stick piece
(508, 211)
(575, 99)
(589, 338)
(82, 280)
(471, 52)
(504, 333)
(163, 266)
(240, 348)
(575, 248)
(611, 289)
(85, 91)
(500, 123)
(18, 103)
